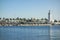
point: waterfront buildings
(30, 21)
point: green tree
(46, 19)
(24, 19)
(0, 18)
(17, 18)
(59, 20)
(55, 20)
(10, 18)
(42, 19)
(13, 18)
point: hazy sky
(29, 8)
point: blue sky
(29, 8)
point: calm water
(30, 32)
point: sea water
(29, 33)
(55, 32)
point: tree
(42, 19)
(55, 20)
(24, 19)
(3, 18)
(13, 19)
(37, 20)
(6, 19)
(0, 18)
(20, 18)
(46, 19)
(59, 20)
(10, 18)
(17, 18)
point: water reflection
(55, 32)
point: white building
(51, 18)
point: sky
(29, 8)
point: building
(49, 16)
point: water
(29, 33)
(55, 32)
